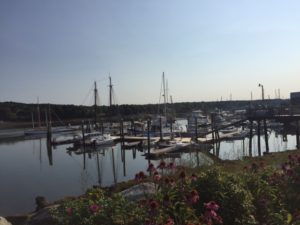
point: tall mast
(167, 92)
(164, 86)
(32, 120)
(38, 111)
(110, 91)
(95, 103)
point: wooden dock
(172, 148)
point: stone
(42, 216)
(139, 191)
(40, 202)
(17, 219)
(3, 221)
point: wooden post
(148, 132)
(218, 144)
(258, 137)
(124, 161)
(196, 129)
(82, 132)
(266, 136)
(83, 142)
(250, 138)
(133, 128)
(213, 127)
(122, 131)
(297, 135)
(160, 129)
(134, 153)
(171, 129)
(49, 131)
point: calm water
(29, 169)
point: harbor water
(29, 168)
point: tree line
(13, 111)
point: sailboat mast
(38, 111)
(32, 120)
(95, 101)
(164, 87)
(110, 92)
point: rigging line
(160, 94)
(98, 99)
(102, 79)
(57, 117)
(115, 100)
(88, 94)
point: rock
(3, 221)
(18, 219)
(40, 202)
(139, 191)
(42, 216)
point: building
(295, 102)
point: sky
(209, 50)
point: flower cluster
(140, 176)
(161, 166)
(210, 214)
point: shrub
(236, 202)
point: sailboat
(164, 121)
(43, 130)
(95, 138)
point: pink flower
(153, 204)
(162, 165)
(94, 208)
(170, 221)
(194, 197)
(194, 177)
(69, 211)
(211, 206)
(172, 166)
(172, 182)
(140, 176)
(156, 178)
(209, 215)
(151, 168)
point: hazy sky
(56, 49)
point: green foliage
(269, 207)
(236, 202)
(97, 208)
(262, 196)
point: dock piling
(250, 138)
(266, 136)
(258, 138)
(297, 134)
(148, 135)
